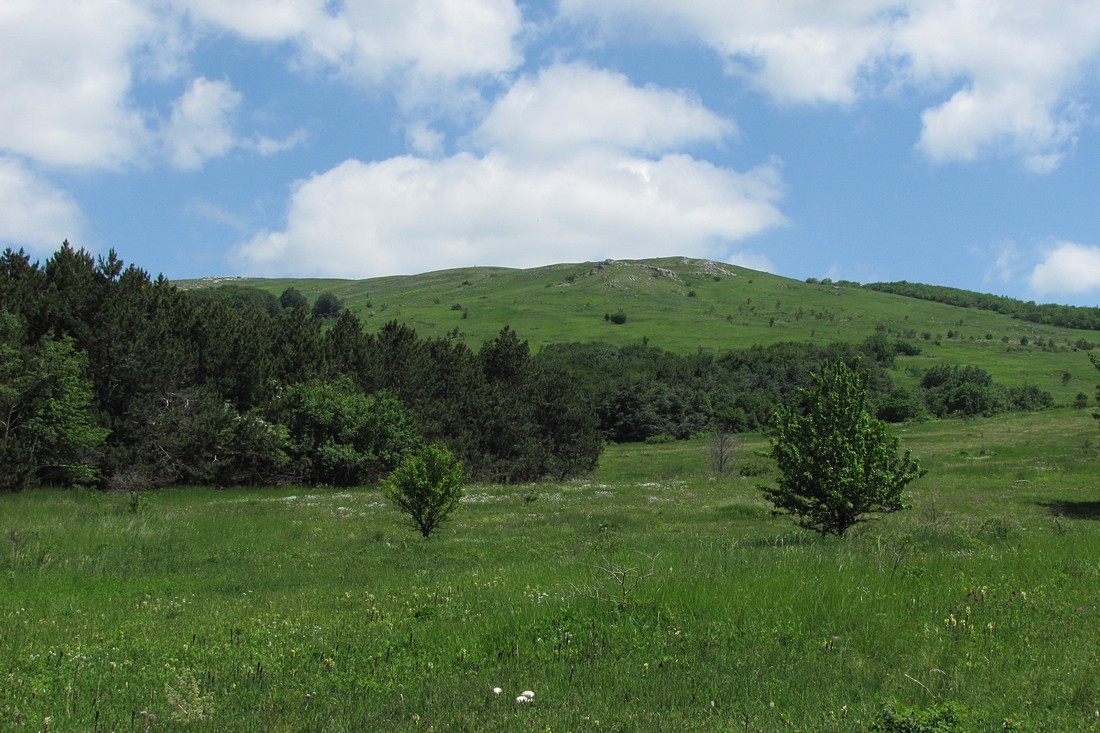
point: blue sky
(952, 142)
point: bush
(618, 317)
(948, 718)
(340, 436)
(428, 487)
(327, 306)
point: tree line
(113, 378)
(643, 393)
(1048, 314)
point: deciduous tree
(427, 487)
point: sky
(950, 142)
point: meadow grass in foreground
(652, 597)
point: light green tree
(428, 487)
(47, 435)
(837, 462)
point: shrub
(947, 718)
(428, 487)
(340, 436)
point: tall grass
(651, 597)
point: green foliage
(900, 405)
(198, 438)
(427, 487)
(947, 718)
(327, 305)
(837, 463)
(1067, 316)
(47, 435)
(1096, 363)
(618, 317)
(340, 436)
(238, 296)
(293, 298)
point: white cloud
(409, 214)
(1005, 264)
(1011, 70)
(33, 214)
(795, 50)
(423, 140)
(267, 146)
(1020, 64)
(573, 106)
(514, 203)
(413, 45)
(201, 126)
(1068, 267)
(65, 76)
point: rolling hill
(683, 305)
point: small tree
(427, 487)
(327, 305)
(837, 462)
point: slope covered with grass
(682, 305)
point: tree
(341, 436)
(428, 487)
(837, 462)
(293, 298)
(46, 431)
(327, 306)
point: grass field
(652, 597)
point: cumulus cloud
(794, 50)
(201, 126)
(34, 215)
(65, 76)
(1010, 70)
(414, 43)
(510, 203)
(409, 214)
(1068, 267)
(1020, 65)
(571, 106)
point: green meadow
(651, 596)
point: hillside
(684, 305)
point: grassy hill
(683, 305)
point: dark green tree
(427, 487)
(293, 298)
(837, 463)
(326, 306)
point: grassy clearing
(651, 597)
